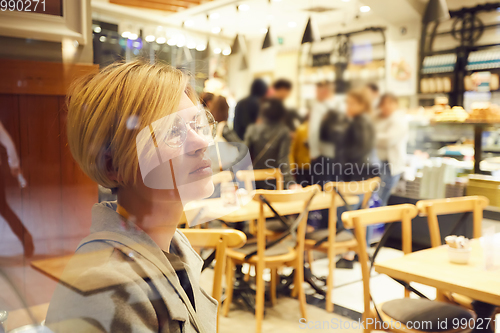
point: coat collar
(155, 265)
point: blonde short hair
(107, 110)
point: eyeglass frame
(190, 125)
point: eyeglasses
(204, 125)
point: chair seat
(276, 226)
(281, 252)
(320, 234)
(409, 310)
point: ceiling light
(136, 44)
(263, 31)
(365, 9)
(172, 41)
(292, 24)
(133, 36)
(191, 45)
(102, 39)
(243, 7)
(180, 43)
(161, 40)
(201, 47)
(150, 38)
(97, 29)
(217, 50)
(216, 30)
(214, 16)
(226, 51)
(125, 34)
(188, 23)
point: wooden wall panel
(41, 156)
(38, 77)
(10, 193)
(79, 193)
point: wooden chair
(274, 257)
(433, 208)
(221, 240)
(344, 241)
(248, 176)
(399, 310)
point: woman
(220, 110)
(268, 142)
(390, 143)
(359, 137)
(134, 128)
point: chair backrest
(222, 177)
(365, 188)
(433, 208)
(296, 197)
(220, 240)
(248, 176)
(360, 219)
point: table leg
(478, 149)
(484, 312)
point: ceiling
(255, 16)
(170, 6)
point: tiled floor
(284, 317)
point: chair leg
(259, 301)
(229, 286)
(295, 289)
(310, 258)
(274, 281)
(329, 281)
(299, 270)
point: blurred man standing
(391, 138)
(282, 88)
(325, 101)
(247, 109)
(374, 94)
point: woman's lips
(204, 167)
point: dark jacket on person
(351, 144)
(247, 110)
(110, 286)
(277, 134)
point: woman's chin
(197, 190)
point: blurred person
(136, 270)
(207, 99)
(300, 163)
(373, 92)
(268, 142)
(281, 90)
(359, 137)
(220, 111)
(391, 138)
(325, 100)
(15, 224)
(247, 110)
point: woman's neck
(159, 219)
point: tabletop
(433, 268)
(250, 211)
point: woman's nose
(195, 142)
